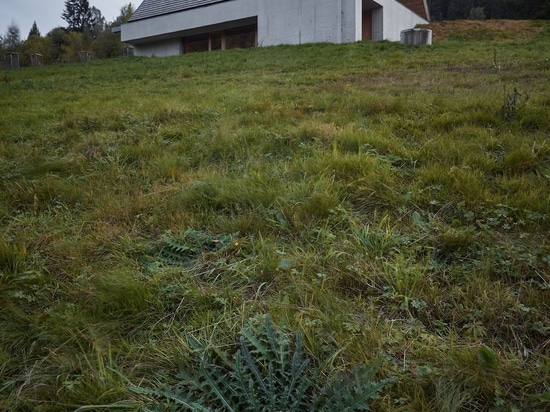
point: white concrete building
(172, 27)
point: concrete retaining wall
(160, 48)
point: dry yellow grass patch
(484, 29)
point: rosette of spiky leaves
(267, 373)
(187, 247)
(352, 391)
(273, 375)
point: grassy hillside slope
(390, 204)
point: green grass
(391, 204)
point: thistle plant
(267, 373)
(513, 103)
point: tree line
(86, 30)
(489, 9)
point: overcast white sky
(47, 13)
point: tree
(59, 40)
(98, 22)
(76, 42)
(125, 14)
(108, 44)
(36, 44)
(438, 9)
(459, 9)
(493, 9)
(528, 9)
(78, 15)
(477, 13)
(12, 39)
(34, 31)
(544, 10)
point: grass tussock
(367, 220)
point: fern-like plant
(268, 373)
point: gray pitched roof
(153, 8)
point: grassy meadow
(332, 205)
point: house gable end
(154, 8)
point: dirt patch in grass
(497, 30)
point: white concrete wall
(351, 13)
(334, 21)
(299, 21)
(160, 48)
(396, 18)
(378, 24)
(308, 21)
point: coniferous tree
(544, 10)
(438, 9)
(34, 31)
(78, 15)
(493, 9)
(98, 22)
(125, 14)
(529, 9)
(459, 9)
(12, 39)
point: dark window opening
(242, 37)
(196, 44)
